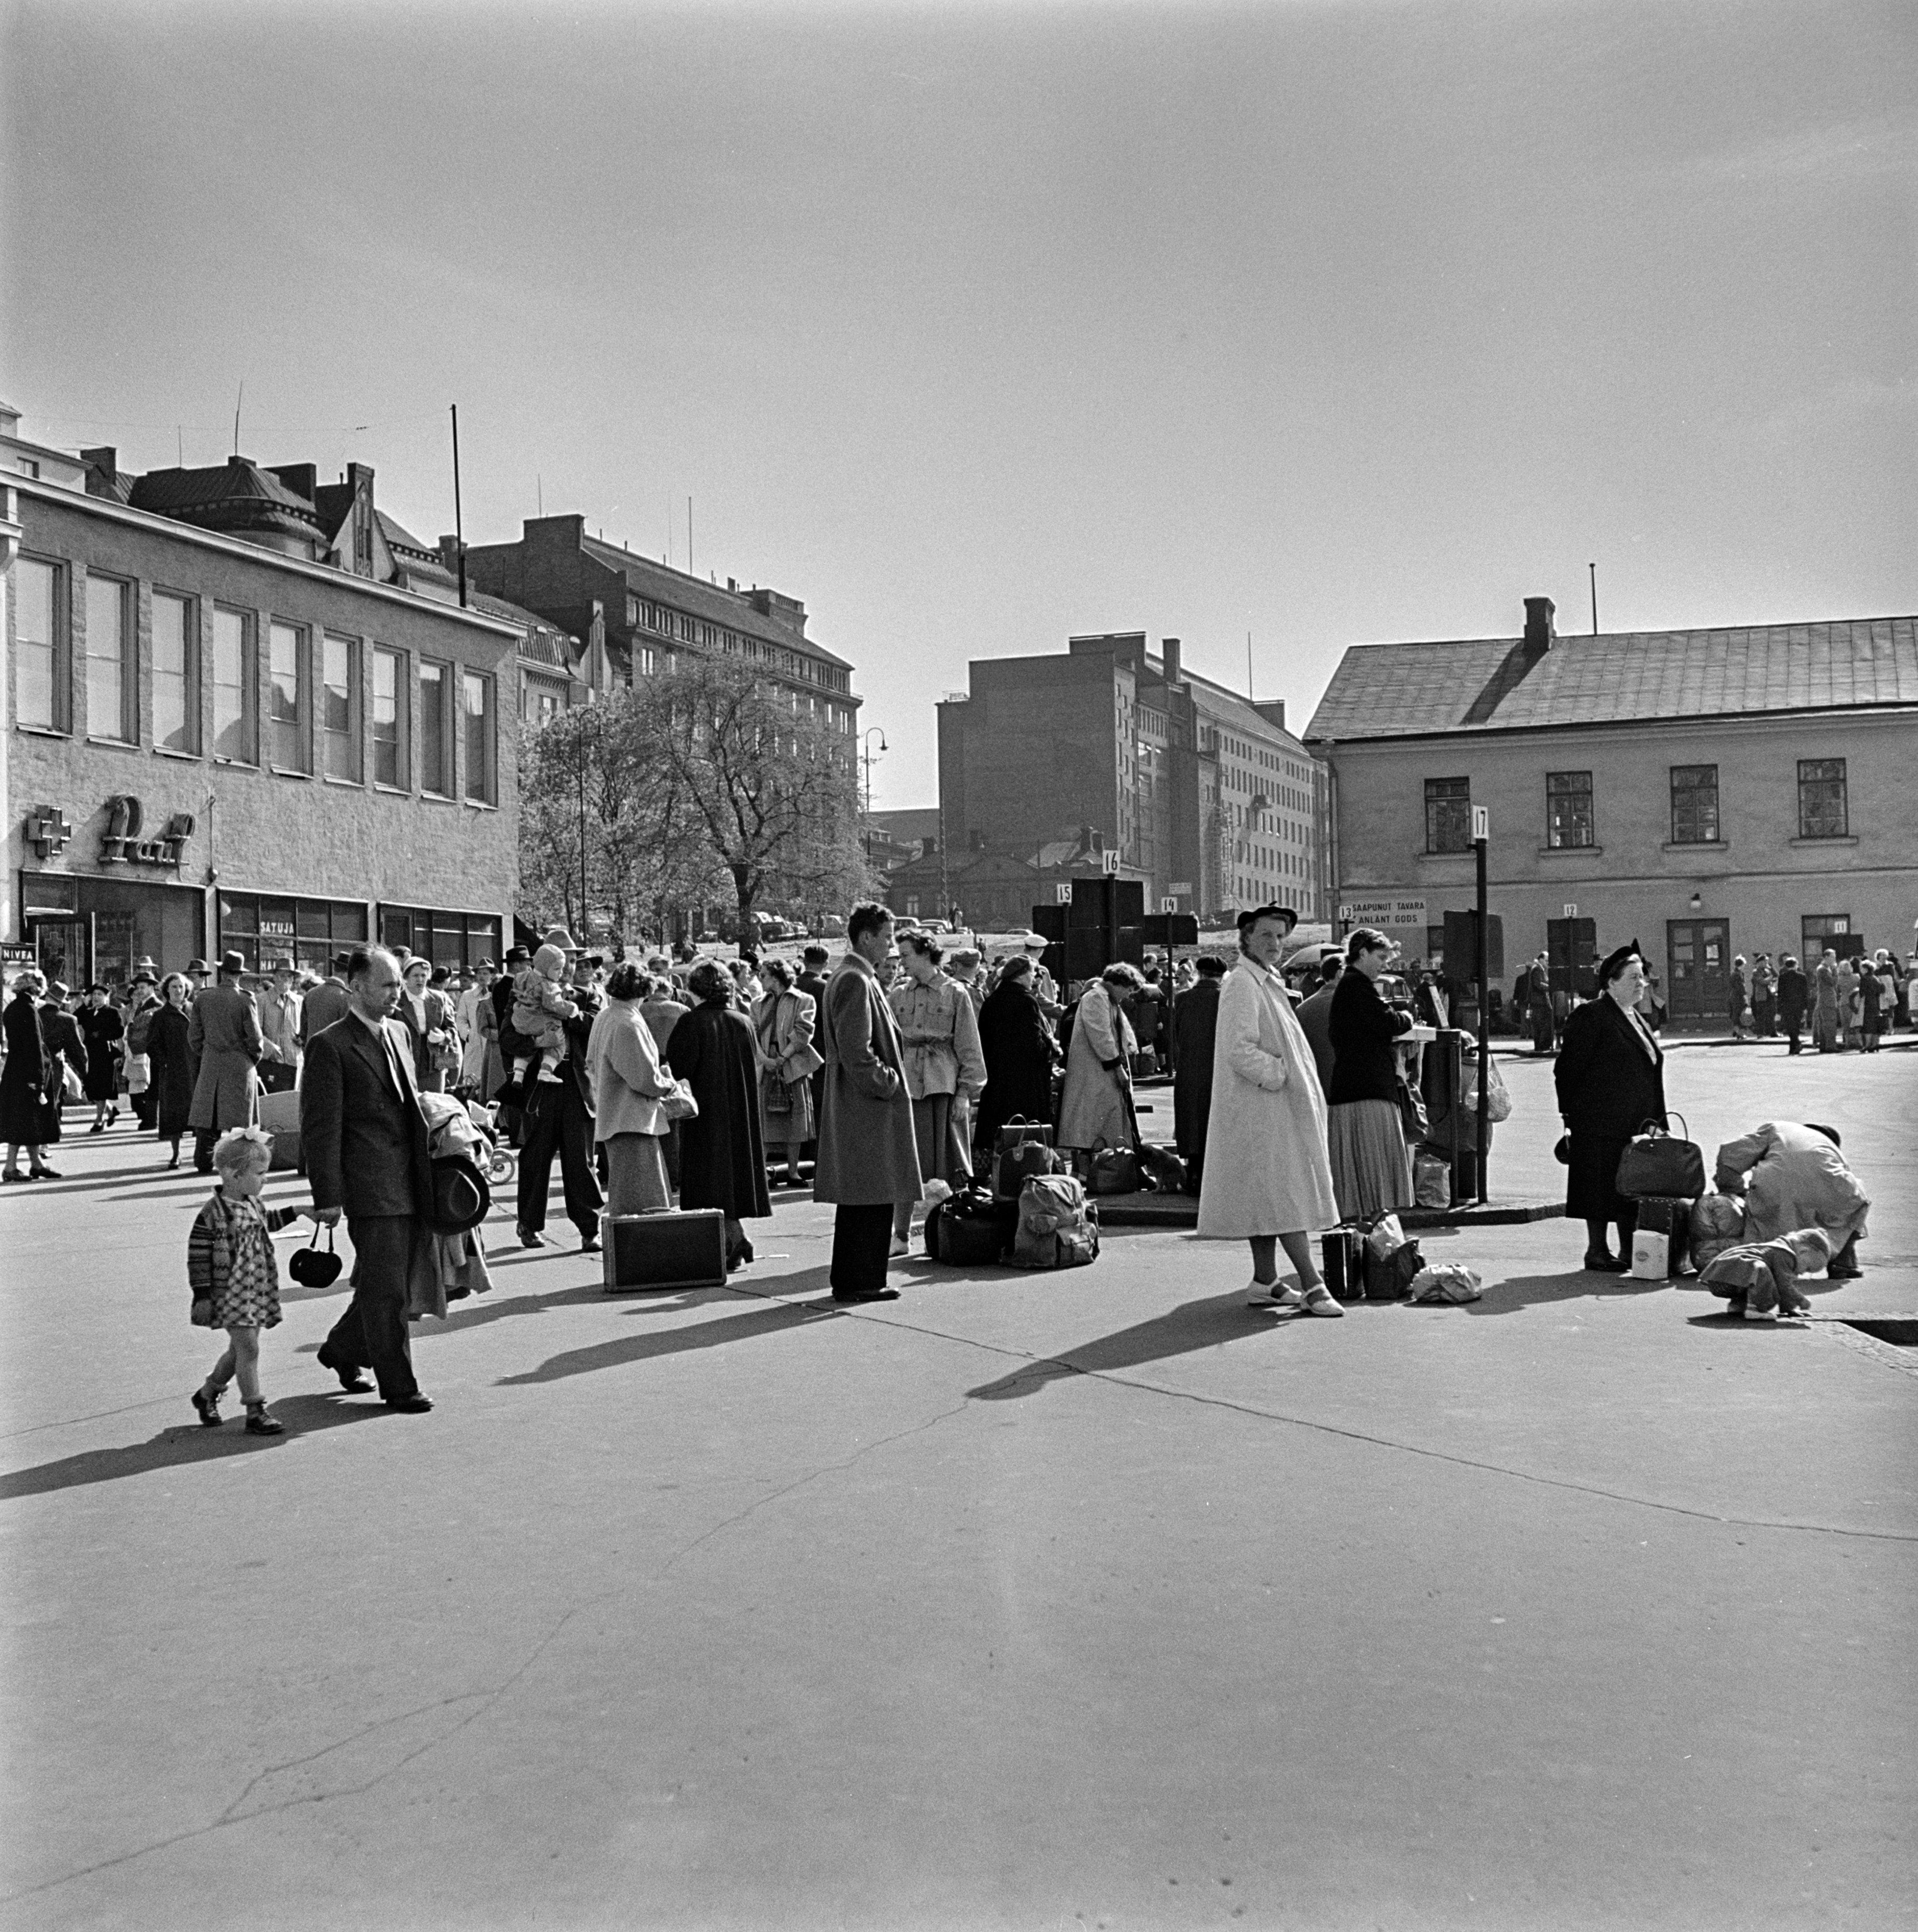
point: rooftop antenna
(689, 536)
(240, 399)
(539, 491)
(180, 444)
(459, 531)
(1248, 667)
(1594, 569)
(669, 529)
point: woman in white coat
(1267, 1180)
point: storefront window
(264, 931)
(459, 939)
(89, 928)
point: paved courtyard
(1087, 1600)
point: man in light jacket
(279, 1029)
(868, 1157)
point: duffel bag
(971, 1230)
(1116, 1171)
(1657, 1163)
(1390, 1277)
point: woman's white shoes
(1318, 1301)
(1272, 1294)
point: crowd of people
(712, 1084)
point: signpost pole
(1482, 827)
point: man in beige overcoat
(868, 1157)
(223, 1036)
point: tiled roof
(544, 641)
(236, 494)
(1496, 684)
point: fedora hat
(232, 962)
(558, 935)
(197, 966)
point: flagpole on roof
(459, 534)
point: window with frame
(111, 711)
(1823, 810)
(340, 706)
(235, 687)
(1694, 804)
(389, 719)
(40, 683)
(1817, 930)
(289, 705)
(476, 727)
(436, 744)
(1569, 824)
(175, 674)
(1448, 814)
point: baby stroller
(501, 1163)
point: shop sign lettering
(121, 843)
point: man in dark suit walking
(327, 1002)
(366, 1145)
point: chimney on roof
(1539, 632)
(1169, 652)
(105, 457)
(302, 479)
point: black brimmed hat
(1613, 964)
(1247, 920)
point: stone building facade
(648, 614)
(213, 742)
(1206, 797)
(1710, 793)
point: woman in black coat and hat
(1611, 1081)
(23, 1084)
(722, 1153)
(1020, 1055)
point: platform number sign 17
(1481, 823)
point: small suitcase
(971, 1230)
(280, 1116)
(651, 1253)
(1670, 1216)
(1343, 1249)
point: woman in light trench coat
(1267, 1180)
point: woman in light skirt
(1371, 1165)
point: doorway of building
(1699, 953)
(1572, 955)
(64, 955)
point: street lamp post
(866, 754)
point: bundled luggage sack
(971, 1229)
(1116, 1171)
(683, 1248)
(1389, 1263)
(1057, 1228)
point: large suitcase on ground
(280, 1116)
(651, 1253)
(1670, 1216)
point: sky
(975, 326)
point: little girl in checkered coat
(234, 1279)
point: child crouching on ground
(540, 1009)
(234, 1279)
(1760, 1278)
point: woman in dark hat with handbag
(1611, 1080)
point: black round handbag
(311, 1267)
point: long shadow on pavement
(173, 1448)
(768, 1318)
(1529, 1291)
(1191, 1326)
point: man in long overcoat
(223, 1034)
(868, 1155)
(1194, 1029)
(366, 1144)
(1794, 992)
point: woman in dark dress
(1019, 1054)
(1371, 1165)
(102, 1029)
(67, 1050)
(24, 1083)
(722, 1153)
(1611, 1080)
